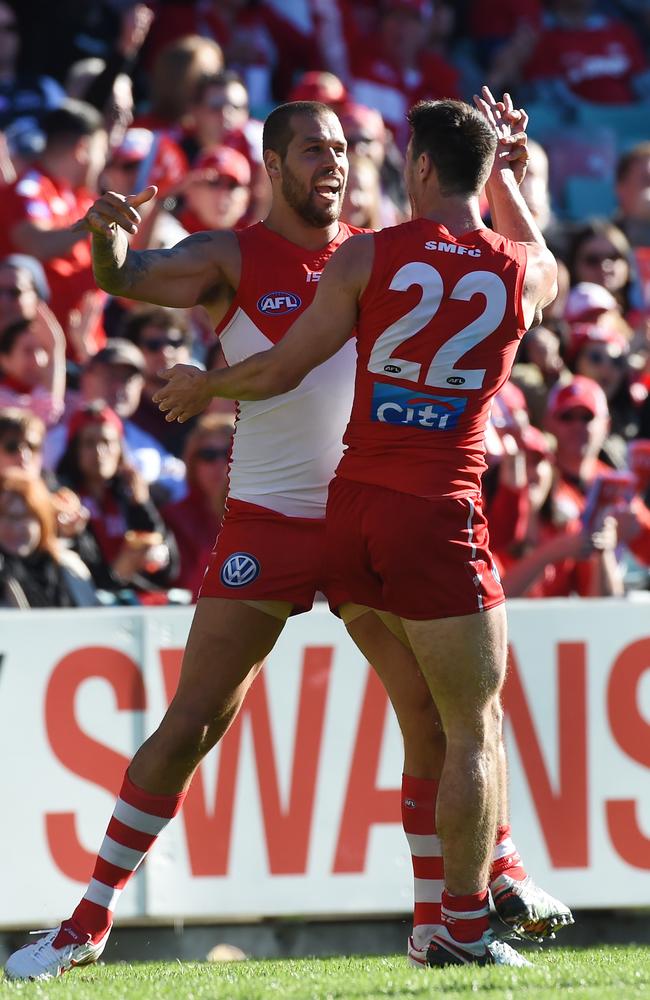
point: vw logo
(239, 569)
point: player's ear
(423, 166)
(273, 163)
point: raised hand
(114, 210)
(509, 124)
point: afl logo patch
(278, 303)
(239, 569)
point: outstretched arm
(183, 276)
(315, 336)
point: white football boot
(42, 960)
(528, 910)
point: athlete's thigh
(227, 639)
(463, 659)
(393, 662)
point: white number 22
(442, 371)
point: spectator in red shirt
(124, 524)
(578, 416)
(195, 521)
(40, 209)
(585, 56)
(558, 556)
(395, 69)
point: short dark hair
(158, 316)
(71, 121)
(278, 131)
(458, 140)
(11, 333)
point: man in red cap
(578, 416)
(217, 192)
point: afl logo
(278, 303)
(239, 569)
(392, 369)
(455, 380)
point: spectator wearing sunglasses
(165, 338)
(21, 441)
(195, 521)
(599, 252)
(578, 417)
(601, 353)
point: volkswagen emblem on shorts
(239, 569)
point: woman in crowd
(125, 543)
(36, 571)
(196, 520)
(32, 368)
(602, 353)
(599, 252)
(21, 441)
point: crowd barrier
(297, 813)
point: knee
(420, 722)
(188, 732)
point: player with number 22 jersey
(440, 322)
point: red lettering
(79, 752)
(365, 803)
(287, 829)
(632, 733)
(563, 815)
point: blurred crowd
(103, 502)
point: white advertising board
(297, 812)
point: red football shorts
(261, 555)
(416, 557)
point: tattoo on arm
(118, 269)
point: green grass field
(616, 973)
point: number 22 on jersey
(442, 372)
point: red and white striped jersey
(285, 449)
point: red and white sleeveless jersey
(439, 325)
(285, 449)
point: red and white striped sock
(506, 859)
(419, 822)
(466, 917)
(135, 825)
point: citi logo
(239, 569)
(278, 303)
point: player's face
(315, 169)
